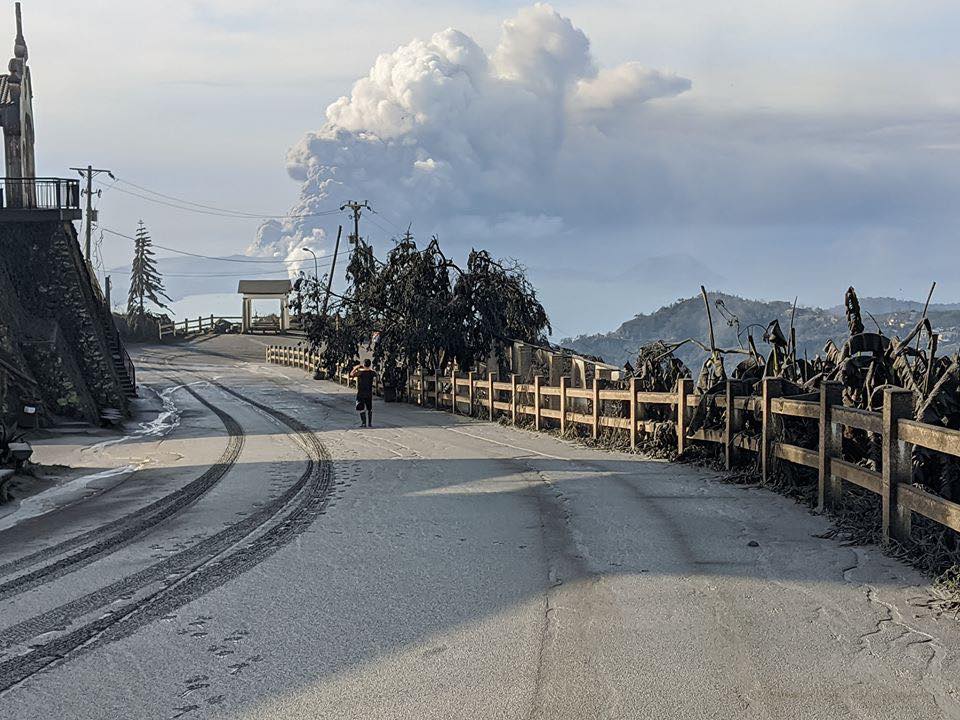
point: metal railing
(39, 194)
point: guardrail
(567, 406)
(189, 326)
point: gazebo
(265, 290)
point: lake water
(219, 304)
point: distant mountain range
(815, 326)
(888, 305)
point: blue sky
(816, 146)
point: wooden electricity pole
(90, 172)
(333, 266)
(356, 208)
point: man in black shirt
(365, 376)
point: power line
(389, 221)
(203, 209)
(387, 230)
(181, 200)
(225, 275)
(205, 257)
(326, 263)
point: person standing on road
(365, 376)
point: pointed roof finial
(19, 45)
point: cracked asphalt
(438, 567)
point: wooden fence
(564, 406)
(189, 327)
(292, 356)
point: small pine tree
(145, 282)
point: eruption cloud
(443, 133)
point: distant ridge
(887, 305)
(815, 326)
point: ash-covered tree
(424, 310)
(145, 281)
(498, 303)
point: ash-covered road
(292, 565)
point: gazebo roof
(265, 287)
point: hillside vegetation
(687, 318)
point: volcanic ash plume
(441, 131)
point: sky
(625, 152)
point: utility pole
(333, 266)
(90, 172)
(356, 208)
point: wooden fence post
(772, 387)
(436, 389)
(470, 382)
(536, 403)
(897, 464)
(421, 392)
(490, 393)
(728, 449)
(596, 407)
(829, 487)
(453, 389)
(684, 388)
(564, 382)
(633, 413)
(513, 397)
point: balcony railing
(39, 194)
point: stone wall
(53, 324)
(18, 386)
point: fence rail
(597, 407)
(189, 326)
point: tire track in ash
(111, 537)
(182, 578)
(233, 432)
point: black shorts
(364, 403)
